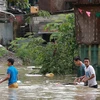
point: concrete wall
(6, 33)
(3, 5)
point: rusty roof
(90, 2)
(64, 6)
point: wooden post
(89, 52)
(95, 58)
(14, 29)
(99, 55)
(82, 52)
(85, 53)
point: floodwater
(37, 87)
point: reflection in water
(12, 94)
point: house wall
(3, 5)
(87, 24)
(6, 33)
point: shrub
(3, 51)
(55, 57)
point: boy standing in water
(90, 74)
(12, 75)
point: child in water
(12, 74)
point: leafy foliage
(65, 47)
(43, 13)
(3, 51)
(55, 57)
(21, 4)
(27, 49)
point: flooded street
(39, 87)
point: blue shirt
(13, 74)
(81, 70)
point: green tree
(55, 57)
(22, 4)
(65, 48)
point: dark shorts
(94, 86)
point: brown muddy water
(37, 87)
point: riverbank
(3, 59)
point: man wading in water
(81, 70)
(12, 74)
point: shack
(87, 23)
(57, 6)
(6, 28)
(87, 15)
